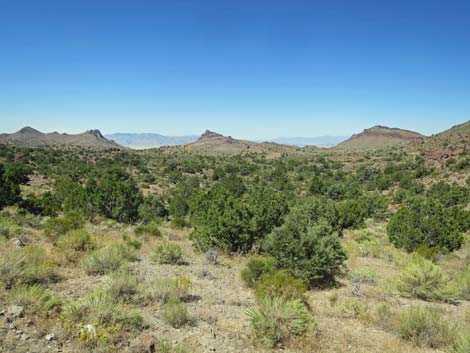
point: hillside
(450, 143)
(379, 136)
(29, 137)
(149, 140)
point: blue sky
(250, 69)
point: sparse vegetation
(182, 242)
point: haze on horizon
(251, 69)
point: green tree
(424, 222)
(307, 247)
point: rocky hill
(450, 143)
(379, 136)
(213, 142)
(29, 137)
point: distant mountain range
(439, 146)
(29, 137)
(151, 140)
(319, 141)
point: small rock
(24, 337)
(50, 337)
(150, 344)
(15, 311)
(91, 329)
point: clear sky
(246, 68)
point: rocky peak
(97, 133)
(210, 135)
(28, 130)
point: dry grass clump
(168, 347)
(8, 228)
(175, 313)
(424, 280)
(27, 265)
(36, 299)
(426, 327)
(55, 227)
(463, 284)
(357, 309)
(98, 321)
(123, 287)
(167, 289)
(74, 244)
(108, 259)
(462, 345)
(276, 321)
(166, 253)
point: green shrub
(55, 227)
(225, 219)
(256, 268)
(425, 222)
(35, 298)
(175, 313)
(428, 253)
(10, 180)
(425, 326)
(276, 321)
(462, 345)
(309, 251)
(150, 229)
(423, 280)
(108, 259)
(352, 213)
(27, 265)
(166, 253)
(280, 284)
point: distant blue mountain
(152, 140)
(149, 140)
